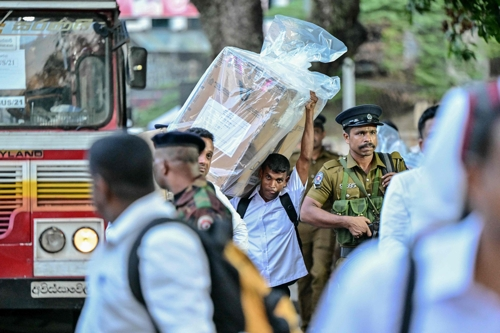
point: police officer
(176, 169)
(318, 244)
(355, 183)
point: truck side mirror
(137, 67)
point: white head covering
(443, 190)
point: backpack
(242, 300)
(287, 204)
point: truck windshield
(55, 72)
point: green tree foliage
(415, 51)
(463, 17)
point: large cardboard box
(247, 109)
(253, 103)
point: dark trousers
(283, 288)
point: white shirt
(240, 232)
(367, 294)
(442, 164)
(272, 243)
(174, 276)
(397, 230)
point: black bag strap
(387, 159)
(286, 202)
(133, 265)
(243, 206)
(408, 302)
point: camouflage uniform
(200, 208)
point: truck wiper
(6, 16)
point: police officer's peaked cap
(176, 139)
(361, 115)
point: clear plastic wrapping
(254, 103)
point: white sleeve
(395, 225)
(240, 232)
(175, 279)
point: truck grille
(63, 184)
(11, 193)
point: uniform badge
(204, 222)
(318, 179)
(369, 116)
(349, 185)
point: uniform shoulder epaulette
(396, 155)
(331, 164)
(332, 155)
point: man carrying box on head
(269, 213)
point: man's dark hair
(125, 162)
(429, 113)
(201, 132)
(276, 163)
(319, 122)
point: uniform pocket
(340, 207)
(359, 206)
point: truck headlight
(85, 240)
(52, 240)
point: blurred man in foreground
(173, 266)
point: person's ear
(346, 137)
(421, 144)
(166, 168)
(102, 187)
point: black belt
(345, 251)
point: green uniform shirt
(327, 186)
(328, 181)
(314, 168)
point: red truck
(64, 70)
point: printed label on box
(229, 130)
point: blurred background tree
(235, 23)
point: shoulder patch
(331, 164)
(318, 179)
(204, 222)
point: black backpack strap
(243, 206)
(286, 202)
(387, 159)
(133, 265)
(408, 301)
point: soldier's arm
(306, 145)
(323, 188)
(312, 213)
